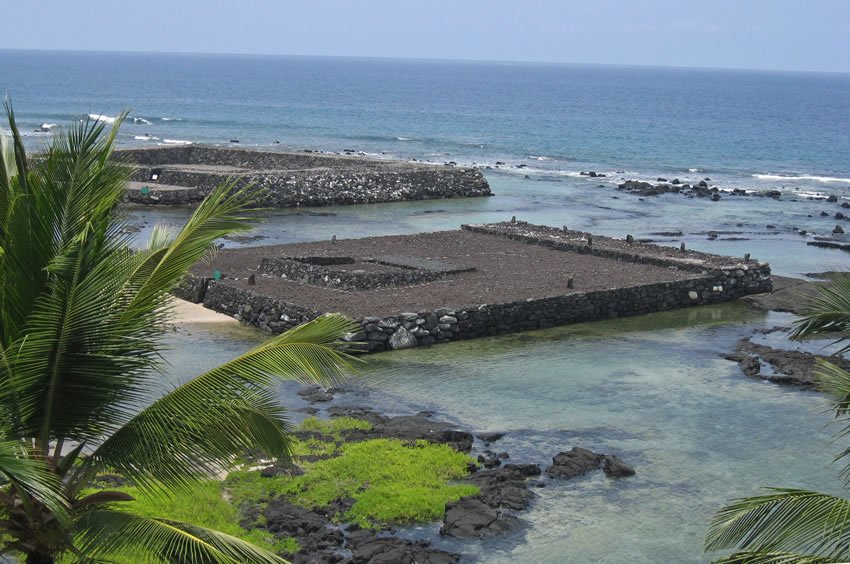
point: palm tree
(790, 525)
(82, 318)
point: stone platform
(415, 290)
(186, 174)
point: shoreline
(187, 313)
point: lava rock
(292, 520)
(471, 518)
(368, 548)
(281, 469)
(402, 339)
(614, 467)
(315, 394)
(576, 462)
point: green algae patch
(391, 482)
(334, 427)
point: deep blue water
(646, 122)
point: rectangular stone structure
(519, 282)
(186, 174)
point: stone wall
(426, 328)
(293, 179)
(715, 279)
(318, 275)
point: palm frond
(835, 383)
(200, 427)
(745, 557)
(32, 476)
(220, 214)
(105, 532)
(791, 520)
(830, 309)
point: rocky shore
(505, 489)
(787, 365)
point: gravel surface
(505, 271)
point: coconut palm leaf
(104, 532)
(835, 383)
(82, 319)
(791, 520)
(220, 214)
(32, 476)
(830, 310)
(771, 558)
(197, 429)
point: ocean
(653, 389)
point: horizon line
(424, 59)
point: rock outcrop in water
(579, 461)
(185, 175)
(492, 512)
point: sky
(809, 35)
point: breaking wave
(781, 177)
(103, 118)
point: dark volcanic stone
(576, 462)
(292, 520)
(787, 366)
(580, 461)
(471, 518)
(614, 467)
(522, 470)
(506, 486)
(315, 393)
(369, 548)
(281, 469)
(490, 437)
(489, 460)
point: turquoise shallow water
(652, 389)
(742, 221)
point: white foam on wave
(176, 142)
(536, 158)
(146, 138)
(46, 126)
(696, 169)
(141, 120)
(402, 139)
(103, 118)
(786, 178)
(171, 119)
